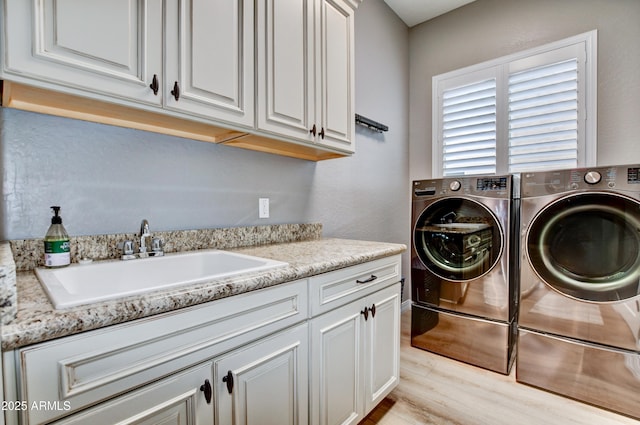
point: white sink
(83, 284)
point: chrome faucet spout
(144, 234)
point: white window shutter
(469, 129)
(543, 117)
(529, 111)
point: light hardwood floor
(437, 390)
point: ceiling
(414, 12)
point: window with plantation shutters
(469, 128)
(531, 111)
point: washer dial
(592, 177)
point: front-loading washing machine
(579, 320)
(464, 288)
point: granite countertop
(38, 321)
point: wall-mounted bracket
(371, 124)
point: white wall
(488, 29)
(107, 178)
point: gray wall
(488, 29)
(107, 178)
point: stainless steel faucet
(143, 249)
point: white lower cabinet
(382, 346)
(132, 366)
(355, 350)
(274, 356)
(264, 383)
(337, 351)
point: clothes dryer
(579, 322)
(464, 289)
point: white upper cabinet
(269, 75)
(209, 59)
(285, 53)
(306, 71)
(109, 47)
(336, 89)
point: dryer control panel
(633, 175)
(485, 186)
(492, 183)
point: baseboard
(406, 305)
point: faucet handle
(127, 250)
(157, 244)
(127, 247)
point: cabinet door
(107, 47)
(335, 79)
(265, 383)
(178, 400)
(382, 345)
(209, 59)
(285, 80)
(336, 344)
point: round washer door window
(587, 246)
(458, 239)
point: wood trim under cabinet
(28, 98)
(265, 144)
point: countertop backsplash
(29, 253)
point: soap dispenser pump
(56, 243)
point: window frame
(499, 69)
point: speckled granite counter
(37, 320)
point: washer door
(587, 246)
(458, 239)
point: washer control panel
(623, 178)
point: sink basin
(83, 284)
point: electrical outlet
(263, 208)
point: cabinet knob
(176, 91)
(365, 312)
(154, 85)
(229, 381)
(373, 310)
(206, 388)
(313, 130)
(322, 133)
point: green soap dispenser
(56, 243)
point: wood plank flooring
(437, 390)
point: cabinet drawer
(91, 367)
(330, 290)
